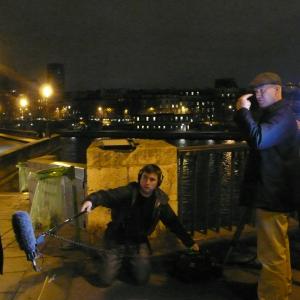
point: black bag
(196, 266)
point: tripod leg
(238, 232)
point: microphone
(25, 237)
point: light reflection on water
(73, 149)
(209, 188)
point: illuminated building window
(164, 127)
(147, 118)
(154, 118)
(137, 118)
(181, 118)
(176, 118)
(138, 126)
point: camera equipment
(194, 266)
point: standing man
(268, 180)
(135, 210)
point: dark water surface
(73, 149)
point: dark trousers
(135, 257)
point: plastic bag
(48, 205)
(23, 176)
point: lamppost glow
(46, 90)
(23, 102)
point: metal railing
(208, 186)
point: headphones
(152, 168)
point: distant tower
(56, 76)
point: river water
(73, 149)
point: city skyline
(149, 44)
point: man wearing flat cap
(269, 184)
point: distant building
(156, 109)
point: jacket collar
(275, 106)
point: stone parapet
(113, 168)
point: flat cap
(265, 78)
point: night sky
(151, 44)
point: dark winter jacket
(121, 201)
(271, 172)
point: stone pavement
(71, 274)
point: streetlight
(100, 111)
(23, 102)
(46, 92)
(151, 109)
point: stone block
(106, 178)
